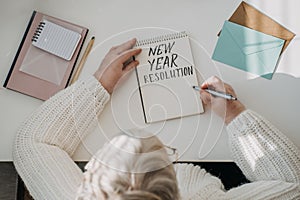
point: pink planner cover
(37, 73)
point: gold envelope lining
(248, 16)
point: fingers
(214, 83)
(217, 84)
(128, 54)
(125, 46)
(122, 55)
(205, 97)
(125, 56)
(131, 65)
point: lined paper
(56, 39)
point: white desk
(112, 22)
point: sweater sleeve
(46, 141)
(262, 151)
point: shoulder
(193, 179)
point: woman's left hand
(116, 63)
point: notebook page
(56, 39)
(166, 74)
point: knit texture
(49, 137)
(47, 140)
(262, 151)
(195, 184)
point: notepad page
(56, 39)
(166, 74)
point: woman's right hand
(227, 109)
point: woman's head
(129, 168)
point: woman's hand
(116, 63)
(227, 109)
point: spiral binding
(38, 31)
(161, 38)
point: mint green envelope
(248, 50)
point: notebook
(165, 76)
(46, 56)
(56, 39)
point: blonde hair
(129, 168)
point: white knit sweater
(47, 140)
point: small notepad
(165, 75)
(56, 39)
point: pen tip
(93, 38)
(194, 86)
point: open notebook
(165, 75)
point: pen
(217, 94)
(83, 59)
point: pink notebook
(42, 69)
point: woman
(132, 168)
